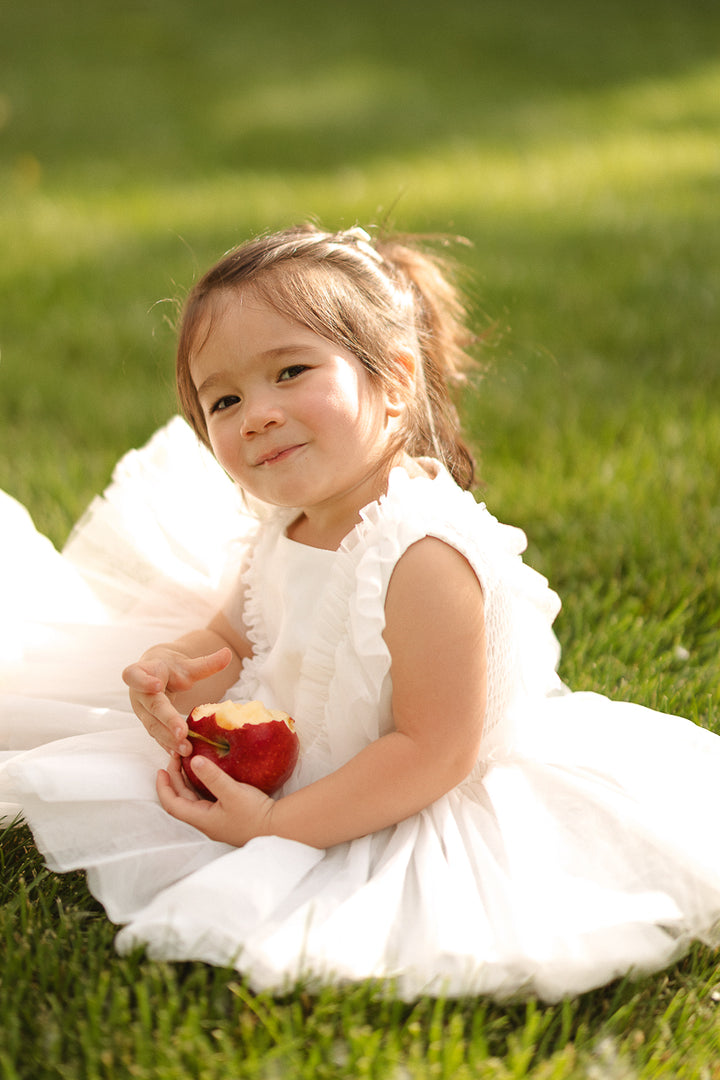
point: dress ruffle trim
(260, 541)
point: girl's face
(293, 418)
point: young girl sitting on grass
(458, 822)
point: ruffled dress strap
(520, 608)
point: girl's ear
(397, 402)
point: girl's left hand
(240, 813)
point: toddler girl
(458, 822)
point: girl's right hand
(155, 682)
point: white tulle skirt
(587, 851)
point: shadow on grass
(174, 86)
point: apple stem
(223, 746)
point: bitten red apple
(251, 743)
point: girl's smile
(273, 456)
(292, 417)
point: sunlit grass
(651, 146)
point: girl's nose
(259, 414)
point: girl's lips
(277, 455)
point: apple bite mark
(249, 742)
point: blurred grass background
(578, 148)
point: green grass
(577, 147)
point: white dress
(582, 846)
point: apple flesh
(249, 742)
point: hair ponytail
(443, 336)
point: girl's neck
(303, 531)
(316, 527)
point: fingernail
(199, 763)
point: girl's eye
(291, 372)
(224, 403)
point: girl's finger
(180, 806)
(179, 781)
(165, 712)
(140, 679)
(215, 779)
(163, 722)
(201, 667)
(156, 730)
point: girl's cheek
(221, 452)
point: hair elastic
(363, 241)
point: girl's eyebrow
(208, 384)
(284, 350)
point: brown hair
(378, 299)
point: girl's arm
(170, 679)
(435, 632)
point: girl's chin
(281, 495)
